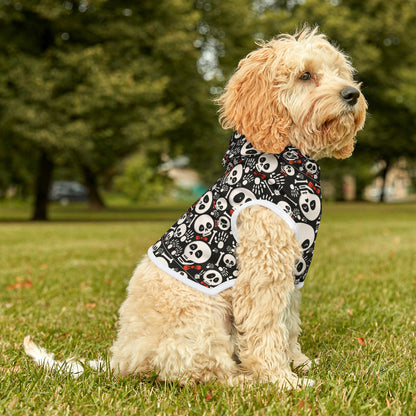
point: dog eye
(306, 76)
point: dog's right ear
(250, 103)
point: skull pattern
(212, 277)
(200, 248)
(267, 163)
(204, 225)
(204, 203)
(311, 167)
(196, 252)
(310, 205)
(235, 175)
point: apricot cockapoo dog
(217, 297)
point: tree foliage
(141, 181)
(85, 84)
(90, 85)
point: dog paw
(297, 383)
(306, 382)
(304, 364)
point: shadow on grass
(80, 212)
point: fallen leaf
(350, 312)
(209, 396)
(302, 405)
(91, 305)
(361, 341)
(20, 285)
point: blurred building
(398, 186)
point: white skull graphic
(204, 203)
(180, 231)
(196, 252)
(221, 204)
(240, 196)
(248, 149)
(290, 155)
(204, 225)
(307, 235)
(229, 260)
(310, 205)
(300, 267)
(289, 170)
(212, 277)
(311, 167)
(234, 175)
(223, 223)
(267, 163)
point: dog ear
(251, 104)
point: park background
(119, 96)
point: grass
(62, 282)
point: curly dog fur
(294, 90)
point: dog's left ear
(251, 104)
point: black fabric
(199, 249)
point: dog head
(295, 90)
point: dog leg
(293, 323)
(176, 330)
(267, 252)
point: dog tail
(70, 366)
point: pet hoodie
(199, 249)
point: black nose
(350, 95)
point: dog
(217, 297)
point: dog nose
(350, 95)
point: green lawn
(62, 282)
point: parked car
(68, 191)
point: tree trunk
(383, 185)
(90, 179)
(42, 185)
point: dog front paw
(295, 382)
(303, 363)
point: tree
(224, 34)
(87, 84)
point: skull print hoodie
(199, 249)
